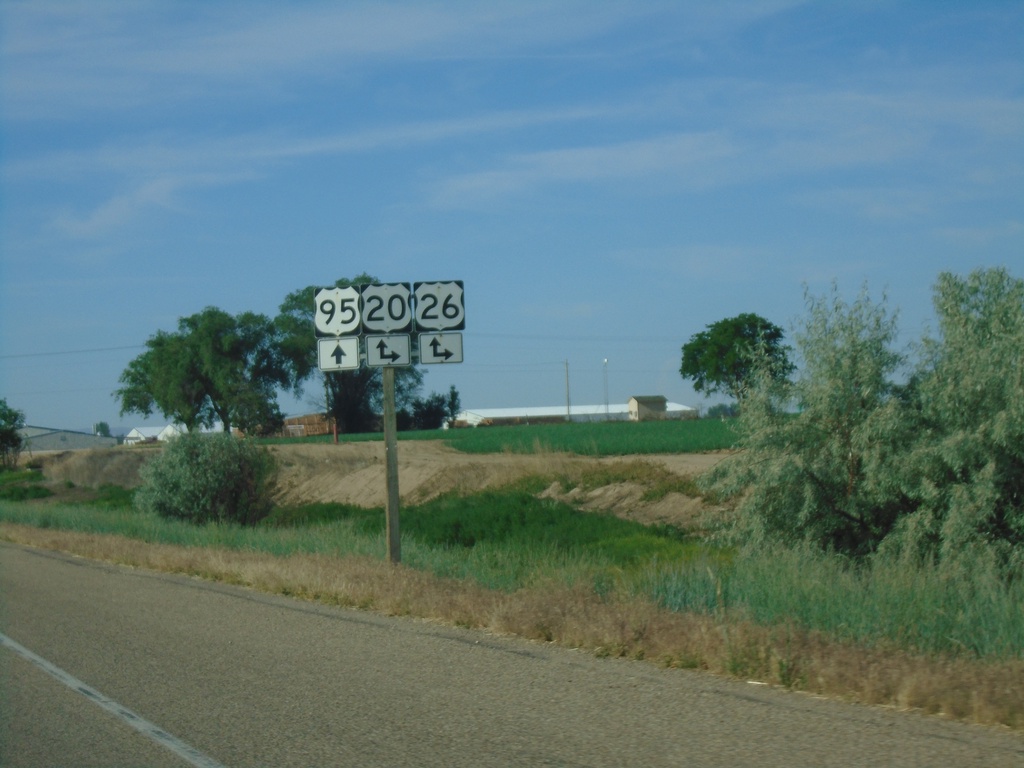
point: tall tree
(453, 405)
(721, 358)
(215, 367)
(352, 398)
(11, 422)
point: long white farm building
(639, 408)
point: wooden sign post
(391, 461)
(374, 323)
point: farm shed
(47, 439)
(648, 408)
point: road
(238, 678)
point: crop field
(597, 439)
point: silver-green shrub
(854, 456)
(818, 454)
(969, 456)
(209, 478)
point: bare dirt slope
(354, 473)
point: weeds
(510, 540)
(24, 492)
(22, 485)
(15, 477)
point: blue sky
(606, 178)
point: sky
(606, 178)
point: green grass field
(597, 439)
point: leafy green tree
(827, 474)
(102, 429)
(721, 358)
(11, 423)
(452, 405)
(429, 412)
(352, 398)
(215, 367)
(722, 411)
(969, 394)
(208, 478)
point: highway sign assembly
(385, 315)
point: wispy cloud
(161, 153)
(894, 203)
(156, 172)
(1006, 231)
(124, 208)
(62, 60)
(751, 131)
(704, 262)
(679, 154)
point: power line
(70, 352)
(524, 337)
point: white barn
(544, 414)
(153, 434)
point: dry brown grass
(92, 468)
(990, 693)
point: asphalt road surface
(109, 666)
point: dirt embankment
(354, 473)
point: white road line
(190, 754)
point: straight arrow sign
(340, 354)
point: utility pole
(606, 389)
(568, 404)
